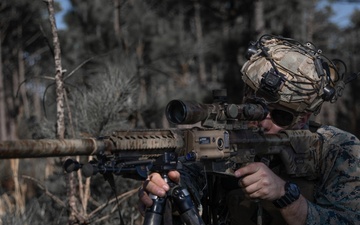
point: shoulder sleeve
(337, 194)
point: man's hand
(259, 182)
(155, 185)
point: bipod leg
(183, 203)
(154, 214)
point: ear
(307, 117)
(304, 120)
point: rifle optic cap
(292, 75)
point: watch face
(293, 190)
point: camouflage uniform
(337, 194)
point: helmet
(291, 75)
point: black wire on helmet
(292, 43)
(309, 49)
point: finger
(144, 199)
(253, 190)
(248, 180)
(248, 169)
(156, 185)
(158, 180)
(174, 176)
(259, 175)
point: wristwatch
(292, 193)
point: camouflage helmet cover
(302, 87)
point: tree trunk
(199, 43)
(3, 134)
(21, 74)
(117, 26)
(259, 18)
(36, 98)
(142, 99)
(60, 132)
(58, 74)
(309, 32)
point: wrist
(290, 193)
(282, 190)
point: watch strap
(292, 193)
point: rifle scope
(188, 112)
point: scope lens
(176, 112)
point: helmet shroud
(291, 75)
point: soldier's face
(269, 126)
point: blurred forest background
(123, 61)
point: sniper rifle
(216, 135)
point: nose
(253, 124)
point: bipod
(178, 196)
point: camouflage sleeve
(337, 195)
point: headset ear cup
(251, 50)
(329, 93)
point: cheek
(266, 123)
(269, 126)
(274, 129)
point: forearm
(296, 213)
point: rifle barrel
(50, 148)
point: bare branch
(46, 191)
(58, 73)
(121, 198)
